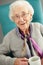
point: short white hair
(20, 3)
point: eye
(23, 14)
(17, 16)
(30, 14)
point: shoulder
(35, 25)
(10, 34)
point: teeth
(23, 24)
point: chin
(25, 28)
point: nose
(22, 20)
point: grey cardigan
(13, 42)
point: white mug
(35, 60)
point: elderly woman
(24, 41)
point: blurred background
(4, 2)
(10, 1)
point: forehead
(20, 9)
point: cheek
(26, 19)
(29, 17)
(16, 21)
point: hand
(42, 61)
(21, 61)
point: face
(22, 17)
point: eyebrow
(23, 12)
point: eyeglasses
(17, 16)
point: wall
(9, 1)
(42, 3)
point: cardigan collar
(21, 34)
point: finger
(25, 59)
(24, 63)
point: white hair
(20, 3)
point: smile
(23, 24)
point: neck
(27, 31)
